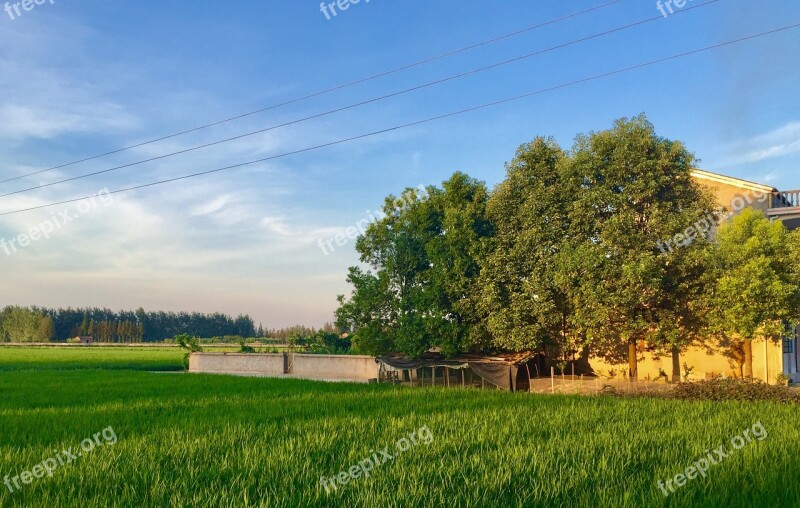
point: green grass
(63, 358)
(194, 440)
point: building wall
(734, 194)
(766, 357)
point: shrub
(190, 344)
(733, 389)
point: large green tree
(424, 263)
(630, 190)
(525, 287)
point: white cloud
(777, 143)
(43, 120)
(211, 207)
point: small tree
(47, 329)
(758, 287)
(424, 263)
(190, 344)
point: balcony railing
(786, 199)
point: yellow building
(769, 359)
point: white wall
(319, 367)
(237, 363)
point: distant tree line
(563, 257)
(296, 331)
(34, 324)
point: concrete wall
(705, 366)
(237, 363)
(335, 367)
(319, 367)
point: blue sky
(81, 78)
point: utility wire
(327, 90)
(358, 104)
(427, 120)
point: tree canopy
(566, 255)
(756, 290)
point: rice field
(198, 440)
(109, 358)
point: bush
(733, 389)
(190, 344)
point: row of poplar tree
(34, 324)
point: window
(788, 346)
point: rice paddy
(199, 440)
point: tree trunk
(633, 371)
(748, 359)
(676, 365)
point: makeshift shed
(507, 371)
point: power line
(327, 90)
(355, 105)
(427, 120)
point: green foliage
(631, 189)
(757, 288)
(569, 256)
(328, 343)
(245, 348)
(424, 258)
(190, 344)
(524, 295)
(733, 389)
(106, 325)
(20, 324)
(687, 370)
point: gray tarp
(499, 374)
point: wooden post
(462, 379)
(766, 361)
(552, 380)
(573, 372)
(530, 386)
